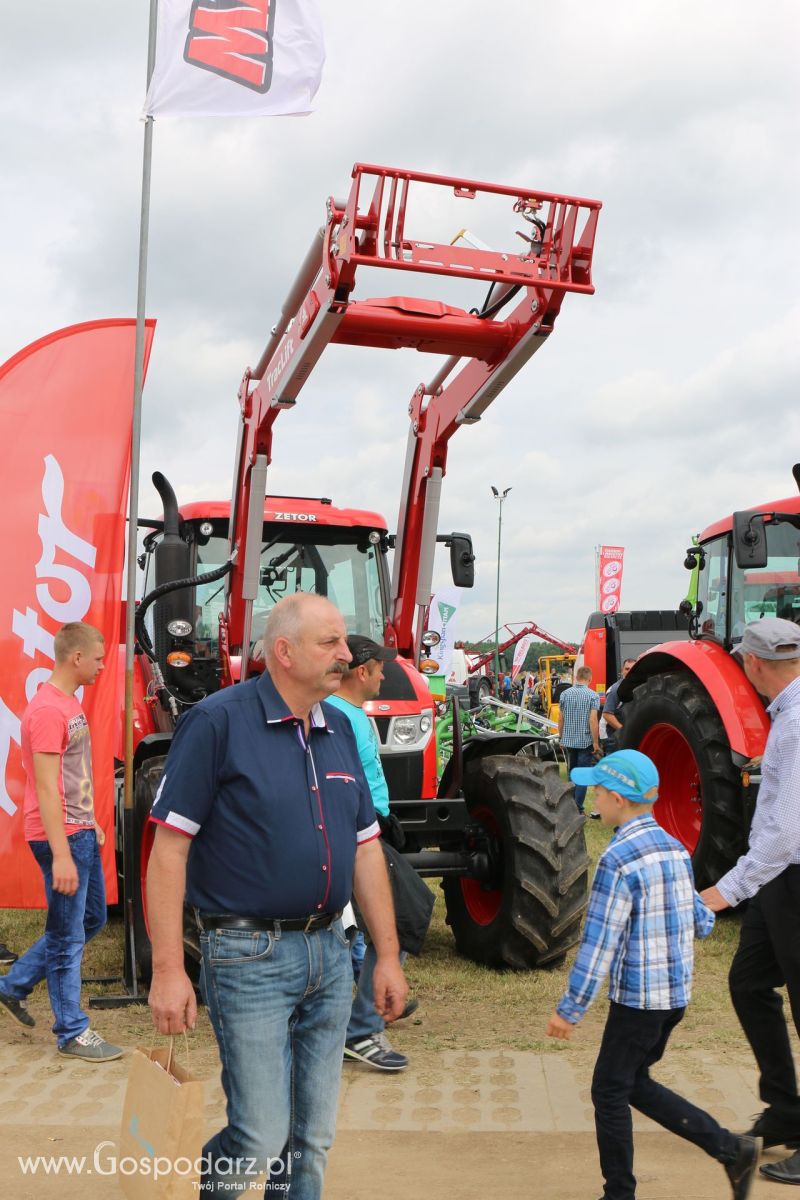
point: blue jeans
(579, 758)
(364, 1016)
(279, 1004)
(71, 922)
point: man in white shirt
(768, 875)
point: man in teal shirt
(366, 1037)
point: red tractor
(500, 829)
(688, 704)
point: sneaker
(742, 1170)
(773, 1131)
(375, 1051)
(594, 816)
(90, 1047)
(17, 1010)
(409, 1010)
(7, 957)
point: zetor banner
(66, 406)
(609, 583)
(236, 58)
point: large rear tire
(672, 719)
(531, 914)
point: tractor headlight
(408, 731)
(405, 731)
(179, 628)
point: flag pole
(129, 864)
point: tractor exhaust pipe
(169, 504)
(171, 559)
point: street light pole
(500, 496)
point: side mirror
(749, 540)
(462, 560)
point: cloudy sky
(661, 403)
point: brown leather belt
(266, 924)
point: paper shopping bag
(162, 1129)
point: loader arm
(515, 637)
(483, 351)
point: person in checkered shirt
(642, 919)
(579, 726)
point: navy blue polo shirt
(274, 818)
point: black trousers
(767, 958)
(634, 1039)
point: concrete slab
(467, 1124)
(452, 1092)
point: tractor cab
(308, 545)
(736, 586)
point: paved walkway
(445, 1129)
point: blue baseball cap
(628, 772)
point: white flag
(236, 58)
(520, 654)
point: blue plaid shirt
(575, 704)
(643, 917)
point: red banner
(609, 582)
(66, 406)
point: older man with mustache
(266, 823)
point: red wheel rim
(482, 903)
(679, 807)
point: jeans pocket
(83, 847)
(338, 931)
(232, 947)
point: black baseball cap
(363, 649)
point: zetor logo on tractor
(689, 705)
(500, 828)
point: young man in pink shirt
(65, 840)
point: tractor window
(347, 572)
(772, 591)
(712, 589)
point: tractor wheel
(146, 784)
(531, 915)
(484, 691)
(672, 719)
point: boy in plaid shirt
(641, 923)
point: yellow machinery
(552, 670)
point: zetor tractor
(689, 705)
(501, 828)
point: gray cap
(771, 638)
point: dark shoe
(7, 957)
(774, 1131)
(90, 1047)
(741, 1171)
(594, 816)
(409, 1010)
(785, 1171)
(376, 1052)
(17, 1010)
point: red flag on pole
(65, 446)
(609, 584)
